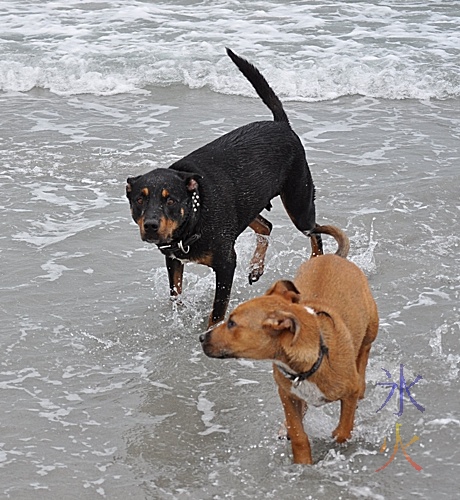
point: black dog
(195, 209)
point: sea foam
(307, 52)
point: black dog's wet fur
(213, 194)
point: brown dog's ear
(287, 289)
(281, 321)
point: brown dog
(317, 331)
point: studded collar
(183, 244)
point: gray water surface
(105, 391)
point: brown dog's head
(272, 327)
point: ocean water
(105, 392)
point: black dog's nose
(151, 225)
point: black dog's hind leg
(316, 244)
(175, 274)
(262, 227)
(225, 270)
(299, 201)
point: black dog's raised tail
(261, 86)
(342, 239)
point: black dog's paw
(176, 299)
(255, 273)
(283, 433)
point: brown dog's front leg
(293, 411)
(175, 274)
(347, 417)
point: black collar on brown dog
(183, 245)
(297, 378)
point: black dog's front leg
(175, 274)
(224, 280)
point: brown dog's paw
(341, 435)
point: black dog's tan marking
(262, 227)
(195, 209)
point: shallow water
(105, 390)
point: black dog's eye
(170, 202)
(230, 324)
(140, 201)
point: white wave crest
(306, 51)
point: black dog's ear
(191, 180)
(192, 183)
(129, 184)
(285, 288)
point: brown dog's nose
(202, 337)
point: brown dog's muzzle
(212, 350)
(205, 342)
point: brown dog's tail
(342, 239)
(264, 91)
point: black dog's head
(161, 203)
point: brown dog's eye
(230, 324)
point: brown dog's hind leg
(361, 363)
(347, 417)
(262, 227)
(363, 354)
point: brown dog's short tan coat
(318, 332)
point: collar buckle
(182, 248)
